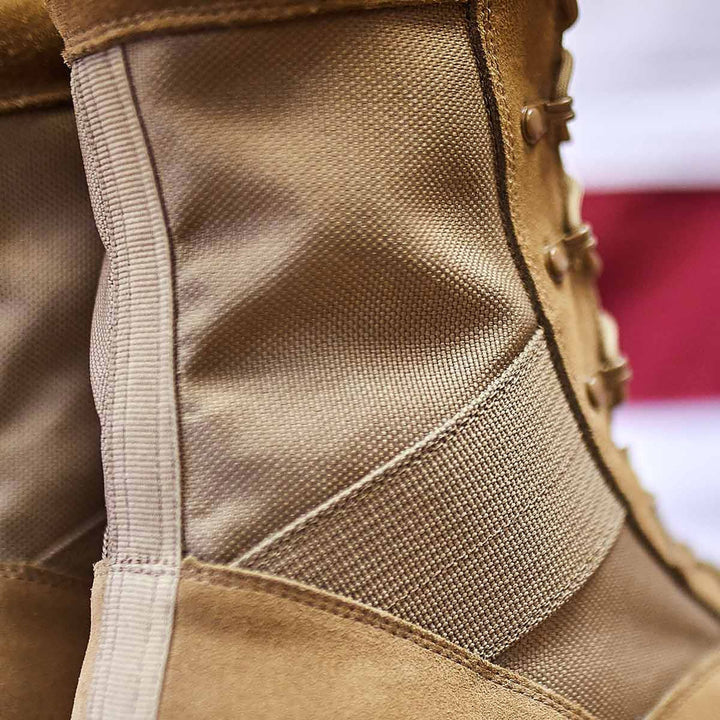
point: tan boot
(357, 398)
(51, 495)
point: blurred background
(646, 145)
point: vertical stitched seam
(173, 274)
(110, 482)
(109, 390)
(155, 628)
(172, 535)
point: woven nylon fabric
(51, 492)
(479, 532)
(343, 281)
(627, 636)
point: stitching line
(106, 224)
(610, 529)
(236, 9)
(176, 430)
(513, 373)
(406, 460)
(75, 535)
(234, 580)
(686, 692)
(86, 111)
(109, 71)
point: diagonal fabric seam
(72, 536)
(408, 457)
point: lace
(579, 246)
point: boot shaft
(51, 509)
(351, 338)
(51, 492)
(349, 322)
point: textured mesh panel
(104, 325)
(479, 532)
(622, 641)
(51, 494)
(343, 282)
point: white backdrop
(647, 93)
(675, 448)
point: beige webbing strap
(478, 532)
(137, 408)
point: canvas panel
(622, 641)
(344, 284)
(51, 496)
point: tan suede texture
(44, 624)
(96, 606)
(92, 25)
(32, 72)
(522, 60)
(696, 696)
(267, 649)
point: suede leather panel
(96, 606)
(32, 72)
(44, 625)
(92, 25)
(279, 650)
(696, 696)
(523, 61)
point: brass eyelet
(557, 262)
(533, 124)
(595, 389)
(539, 117)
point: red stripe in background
(661, 252)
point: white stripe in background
(647, 94)
(675, 448)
